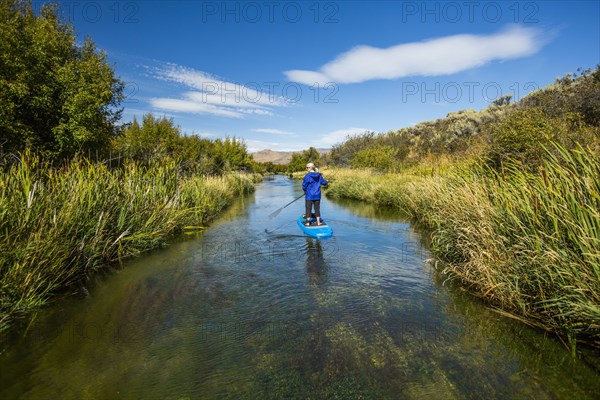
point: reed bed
(527, 243)
(60, 225)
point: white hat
(310, 165)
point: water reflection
(316, 266)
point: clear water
(253, 309)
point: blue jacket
(312, 185)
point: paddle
(276, 212)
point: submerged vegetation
(512, 197)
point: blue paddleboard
(314, 230)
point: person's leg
(308, 209)
(317, 204)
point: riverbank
(60, 226)
(528, 244)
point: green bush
(380, 157)
(523, 134)
(572, 93)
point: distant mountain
(276, 157)
(279, 157)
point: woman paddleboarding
(311, 185)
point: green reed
(528, 243)
(60, 225)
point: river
(251, 308)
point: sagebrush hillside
(566, 112)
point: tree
(311, 155)
(231, 154)
(55, 96)
(153, 140)
(299, 160)
(158, 138)
(194, 153)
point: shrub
(380, 157)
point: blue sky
(289, 75)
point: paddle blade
(275, 213)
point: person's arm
(305, 182)
(323, 181)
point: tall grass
(60, 225)
(527, 243)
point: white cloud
(257, 111)
(340, 135)
(308, 77)
(273, 131)
(212, 95)
(193, 107)
(441, 56)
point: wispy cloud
(273, 131)
(440, 56)
(187, 106)
(340, 135)
(212, 95)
